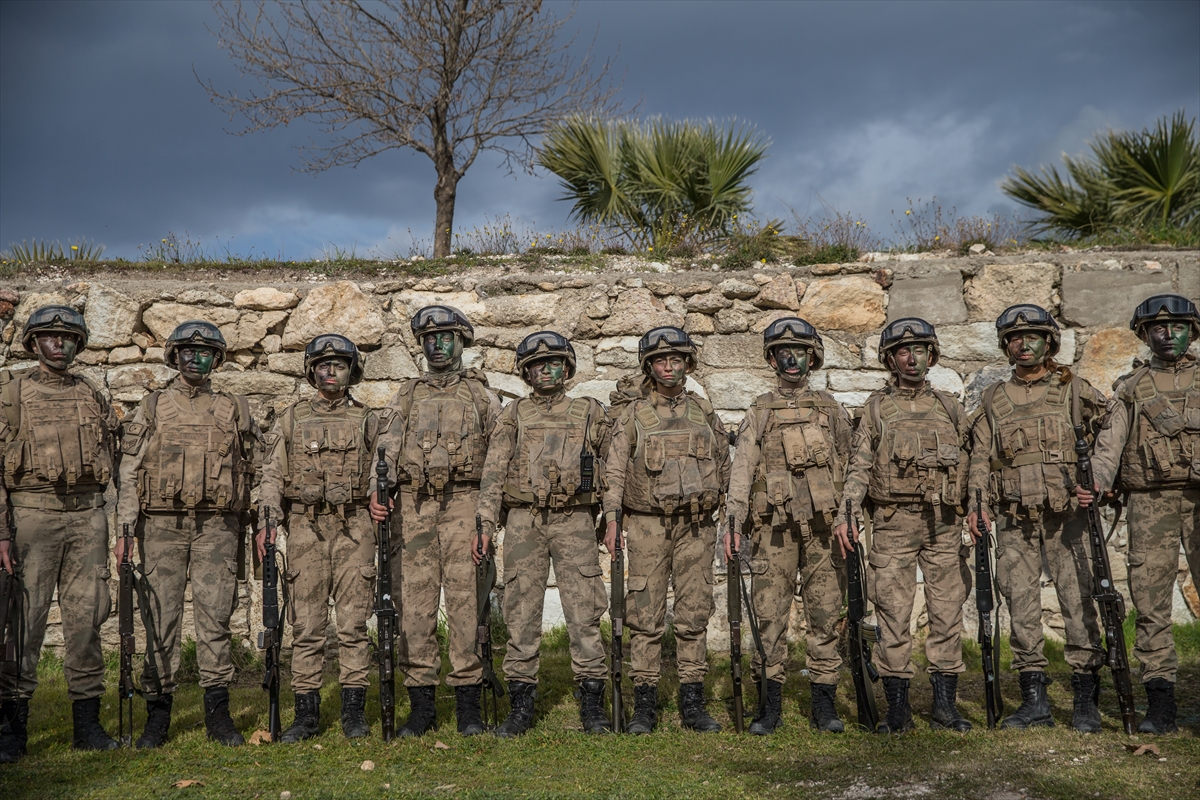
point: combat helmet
(194, 331)
(665, 339)
(54, 319)
(1028, 317)
(796, 331)
(908, 330)
(332, 345)
(432, 319)
(542, 345)
(1165, 307)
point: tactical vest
(672, 464)
(799, 472)
(1033, 446)
(328, 459)
(58, 436)
(444, 439)
(918, 454)
(1163, 447)
(550, 449)
(195, 460)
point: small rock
(266, 298)
(977, 249)
(709, 302)
(547, 286)
(367, 766)
(698, 324)
(853, 303)
(696, 287)
(761, 279)
(1152, 265)
(285, 795)
(197, 297)
(154, 355)
(779, 293)
(10, 296)
(737, 290)
(125, 355)
(731, 320)
(884, 277)
(826, 269)
(92, 357)
(272, 343)
(142, 340)
(661, 288)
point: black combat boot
(1086, 716)
(945, 704)
(1160, 711)
(158, 721)
(466, 708)
(692, 713)
(645, 713)
(422, 713)
(89, 733)
(217, 721)
(1035, 703)
(899, 712)
(824, 711)
(307, 723)
(520, 718)
(13, 714)
(591, 707)
(354, 718)
(766, 723)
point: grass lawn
(557, 760)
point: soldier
(59, 441)
(186, 475)
(1154, 439)
(667, 467)
(1022, 457)
(435, 431)
(791, 453)
(319, 462)
(908, 461)
(543, 461)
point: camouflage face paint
(669, 370)
(1027, 349)
(332, 376)
(195, 362)
(911, 364)
(791, 363)
(548, 375)
(56, 350)
(1169, 340)
(441, 349)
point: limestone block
(779, 293)
(946, 379)
(155, 354)
(538, 310)
(272, 343)
(699, 324)
(266, 298)
(129, 383)
(31, 302)
(409, 302)
(736, 351)
(637, 311)
(937, 298)
(162, 318)
(763, 321)
(620, 351)
(290, 363)
(599, 389)
(843, 380)
(709, 302)
(499, 360)
(977, 381)
(851, 399)
(202, 297)
(511, 384)
(731, 320)
(998, 286)
(596, 306)
(839, 355)
(689, 288)
(92, 357)
(1107, 297)
(339, 307)
(1066, 349)
(269, 383)
(1108, 355)
(125, 355)
(142, 340)
(110, 316)
(737, 390)
(975, 341)
(375, 394)
(675, 305)
(251, 328)
(852, 303)
(736, 289)
(389, 363)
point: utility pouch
(820, 487)
(795, 448)
(1163, 416)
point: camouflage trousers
(531, 540)
(328, 556)
(67, 550)
(779, 551)
(903, 539)
(1158, 521)
(432, 557)
(176, 548)
(661, 551)
(1021, 547)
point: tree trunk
(444, 195)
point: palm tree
(655, 181)
(1148, 180)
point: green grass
(557, 760)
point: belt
(761, 486)
(553, 501)
(426, 490)
(48, 501)
(1040, 457)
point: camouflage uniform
(794, 492)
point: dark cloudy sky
(105, 132)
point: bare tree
(447, 78)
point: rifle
(862, 636)
(270, 638)
(485, 581)
(989, 627)
(616, 612)
(747, 604)
(1108, 599)
(12, 626)
(733, 591)
(385, 609)
(125, 688)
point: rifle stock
(485, 581)
(270, 638)
(1109, 601)
(861, 635)
(12, 626)
(734, 592)
(989, 626)
(617, 613)
(385, 609)
(125, 688)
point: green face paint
(1027, 349)
(911, 364)
(669, 370)
(332, 376)
(56, 350)
(548, 375)
(1169, 340)
(195, 362)
(791, 363)
(441, 349)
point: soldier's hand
(118, 550)
(5, 558)
(736, 544)
(378, 512)
(1086, 496)
(610, 540)
(260, 540)
(477, 551)
(846, 535)
(973, 524)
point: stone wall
(268, 317)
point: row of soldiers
(656, 467)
